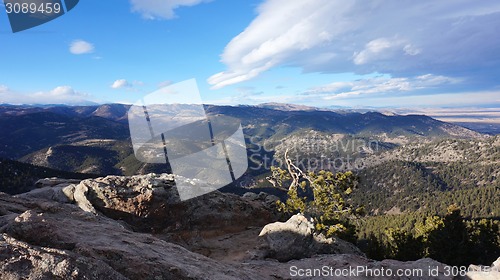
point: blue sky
(317, 52)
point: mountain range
(96, 139)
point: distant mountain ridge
(108, 111)
(95, 139)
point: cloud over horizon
(3, 88)
(58, 95)
(399, 38)
(380, 85)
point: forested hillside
(17, 177)
(410, 177)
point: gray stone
(52, 182)
(271, 199)
(250, 196)
(296, 239)
(80, 197)
(55, 193)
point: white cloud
(58, 95)
(447, 100)
(3, 88)
(257, 99)
(124, 84)
(383, 49)
(380, 85)
(246, 92)
(391, 37)
(81, 47)
(161, 9)
(121, 83)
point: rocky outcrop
(42, 239)
(269, 199)
(50, 240)
(151, 203)
(20, 260)
(296, 239)
(94, 235)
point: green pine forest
(438, 199)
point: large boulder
(297, 239)
(151, 203)
(54, 193)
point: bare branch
(275, 184)
(296, 173)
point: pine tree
(322, 195)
